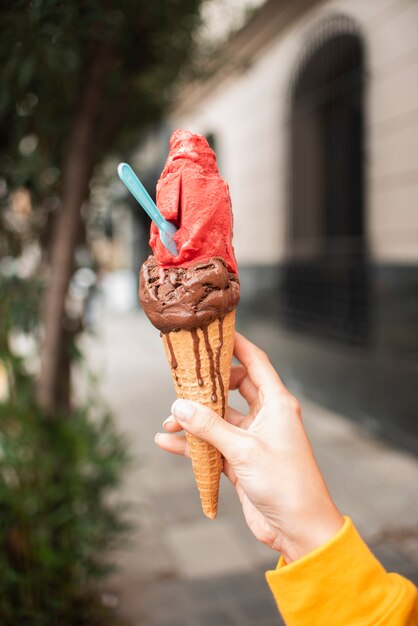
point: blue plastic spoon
(137, 189)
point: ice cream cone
(191, 297)
(200, 362)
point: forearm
(342, 583)
(311, 526)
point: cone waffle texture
(203, 356)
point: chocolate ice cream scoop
(184, 298)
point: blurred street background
(182, 568)
(312, 109)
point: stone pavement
(179, 567)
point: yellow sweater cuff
(341, 583)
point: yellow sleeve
(342, 583)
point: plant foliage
(47, 50)
(57, 520)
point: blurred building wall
(247, 109)
(349, 304)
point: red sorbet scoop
(192, 195)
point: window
(325, 284)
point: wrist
(310, 532)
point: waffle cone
(200, 362)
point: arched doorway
(325, 286)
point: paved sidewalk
(182, 569)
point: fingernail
(183, 409)
(169, 420)
(156, 437)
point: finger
(204, 423)
(238, 419)
(256, 362)
(234, 417)
(172, 443)
(171, 425)
(240, 380)
(229, 472)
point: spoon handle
(137, 189)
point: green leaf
(26, 72)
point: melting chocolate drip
(214, 397)
(218, 363)
(214, 362)
(198, 363)
(173, 363)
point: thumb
(202, 422)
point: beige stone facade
(247, 108)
